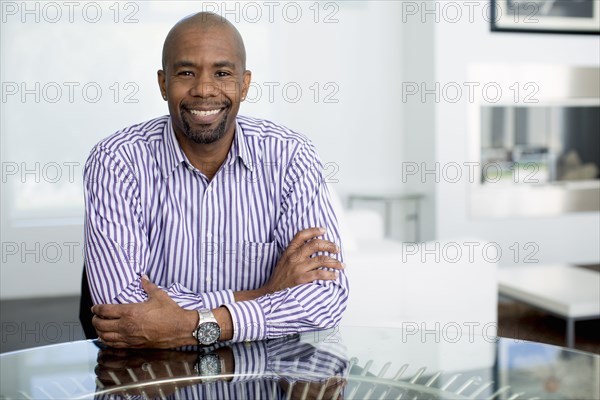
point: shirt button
(209, 189)
(208, 279)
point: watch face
(210, 364)
(208, 333)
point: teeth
(205, 113)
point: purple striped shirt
(259, 368)
(148, 210)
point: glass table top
(348, 363)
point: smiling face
(203, 80)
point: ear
(246, 84)
(162, 83)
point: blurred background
(495, 132)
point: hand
(147, 373)
(296, 266)
(156, 323)
(328, 390)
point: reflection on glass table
(349, 363)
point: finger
(318, 245)
(113, 362)
(112, 358)
(312, 247)
(121, 362)
(110, 310)
(118, 340)
(117, 344)
(334, 391)
(305, 389)
(105, 325)
(110, 378)
(321, 275)
(111, 338)
(148, 286)
(325, 262)
(304, 235)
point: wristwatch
(209, 365)
(208, 330)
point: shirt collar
(240, 148)
(174, 155)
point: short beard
(205, 135)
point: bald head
(204, 22)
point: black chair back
(85, 305)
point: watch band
(205, 315)
(208, 330)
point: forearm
(133, 292)
(272, 326)
(307, 307)
(246, 295)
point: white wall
(359, 137)
(362, 56)
(419, 60)
(568, 238)
(365, 138)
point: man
(206, 225)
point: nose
(204, 86)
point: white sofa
(428, 289)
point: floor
(38, 322)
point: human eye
(185, 73)
(222, 74)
